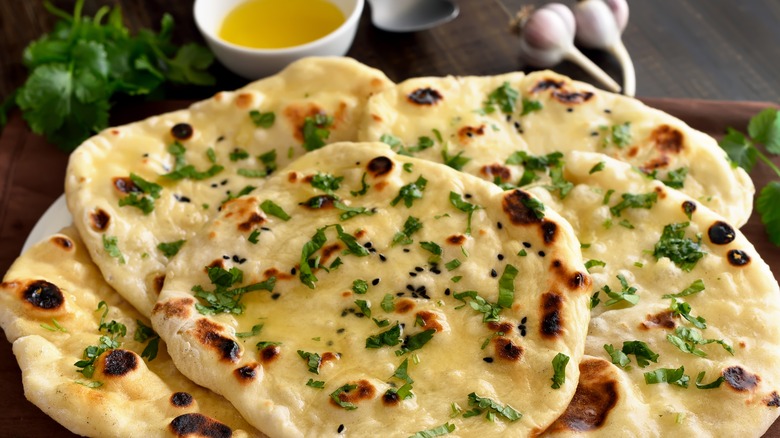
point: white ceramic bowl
(256, 63)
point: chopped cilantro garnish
(269, 159)
(111, 247)
(618, 135)
(530, 106)
(559, 183)
(335, 396)
(389, 337)
(211, 155)
(326, 182)
(387, 303)
(262, 120)
(452, 264)
(444, 429)
(684, 252)
(617, 356)
(411, 226)
(319, 384)
(594, 299)
(350, 212)
(364, 306)
(695, 287)
(489, 311)
(254, 331)
(264, 344)
(170, 249)
(55, 327)
(253, 236)
(687, 339)
(607, 196)
(505, 97)
(597, 168)
(456, 161)
(506, 287)
(144, 203)
(272, 208)
(245, 191)
(593, 262)
(415, 342)
(145, 333)
(313, 360)
(116, 331)
(363, 187)
(405, 391)
(644, 355)
(481, 403)
(238, 154)
(457, 201)
(252, 173)
(676, 178)
(645, 201)
(315, 131)
(535, 206)
(712, 385)
(410, 192)
(359, 286)
(684, 309)
(668, 375)
(627, 293)
(182, 170)
(433, 248)
(223, 299)
(559, 363)
(318, 240)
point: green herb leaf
(768, 206)
(668, 375)
(593, 262)
(535, 206)
(444, 429)
(432, 247)
(456, 161)
(739, 149)
(315, 131)
(410, 192)
(644, 355)
(335, 396)
(505, 97)
(645, 201)
(309, 248)
(364, 306)
(411, 226)
(597, 168)
(319, 384)
(273, 209)
(457, 201)
(506, 287)
(387, 303)
(350, 212)
(144, 333)
(313, 360)
(363, 187)
(530, 106)
(238, 154)
(359, 286)
(452, 264)
(695, 287)
(489, 311)
(482, 403)
(627, 293)
(254, 331)
(415, 342)
(714, 384)
(262, 120)
(559, 363)
(617, 356)
(170, 249)
(223, 299)
(56, 327)
(684, 309)
(389, 337)
(684, 252)
(253, 236)
(764, 128)
(111, 247)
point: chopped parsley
(645, 201)
(676, 178)
(684, 252)
(532, 164)
(262, 120)
(617, 135)
(364, 306)
(480, 404)
(411, 226)
(269, 159)
(55, 327)
(456, 161)
(712, 385)
(401, 373)
(326, 182)
(687, 339)
(111, 247)
(170, 249)
(315, 131)
(410, 192)
(669, 375)
(559, 363)
(457, 201)
(504, 97)
(317, 241)
(597, 168)
(211, 155)
(253, 236)
(335, 396)
(535, 206)
(350, 212)
(245, 191)
(223, 299)
(359, 286)
(252, 173)
(641, 351)
(506, 287)
(364, 187)
(617, 356)
(397, 145)
(559, 183)
(313, 360)
(530, 106)
(144, 203)
(272, 208)
(389, 337)
(254, 331)
(627, 293)
(593, 262)
(319, 384)
(182, 170)
(444, 429)
(238, 154)
(387, 303)
(145, 333)
(433, 248)
(680, 308)
(452, 264)
(489, 311)
(415, 342)
(695, 287)
(114, 330)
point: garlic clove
(566, 15)
(619, 10)
(545, 30)
(596, 26)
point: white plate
(56, 218)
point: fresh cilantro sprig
(145, 333)
(480, 404)
(223, 299)
(77, 70)
(764, 128)
(114, 330)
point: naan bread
(726, 283)
(55, 284)
(124, 240)
(488, 119)
(308, 216)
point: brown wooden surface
(718, 49)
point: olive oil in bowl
(277, 24)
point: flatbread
(123, 240)
(728, 285)
(488, 119)
(509, 360)
(55, 284)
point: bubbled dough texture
(711, 179)
(451, 366)
(740, 305)
(136, 404)
(336, 86)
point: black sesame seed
(608, 111)
(517, 125)
(235, 258)
(382, 258)
(399, 294)
(181, 131)
(500, 225)
(488, 359)
(436, 271)
(372, 250)
(368, 245)
(447, 291)
(412, 274)
(214, 185)
(375, 281)
(341, 330)
(223, 182)
(469, 134)
(340, 429)
(524, 320)
(406, 250)
(418, 269)
(410, 288)
(467, 196)
(293, 271)
(527, 244)
(146, 155)
(265, 228)
(568, 110)
(275, 296)
(522, 332)
(594, 134)
(220, 138)
(344, 313)
(329, 343)
(500, 257)
(181, 198)
(226, 257)
(541, 253)
(493, 273)
(508, 117)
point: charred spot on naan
(195, 424)
(430, 320)
(456, 239)
(514, 206)
(572, 97)
(364, 391)
(209, 334)
(466, 133)
(738, 258)
(319, 202)
(549, 231)
(182, 131)
(296, 115)
(270, 353)
(180, 308)
(773, 401)
(380, 166)
(689, 207)
(181, 399)
(99, 219)
(62, 243)
(546, 84)
(125, 185)
(42, 295)
(579, 280)
(404, 306)
(721, 233)
(663, 319)
(595, 397)
(244, 101)
(552, 323)
(496, 170)
(157, 280)
(667, 142)
(424, 96)
(246, 373)
(739, 379)
(118, 362)
(506, 349)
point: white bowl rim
(292, 50)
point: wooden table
(719, 49)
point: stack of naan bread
(325, 253)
